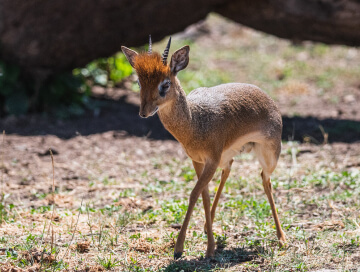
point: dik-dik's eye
(164, 87)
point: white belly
(243, 144)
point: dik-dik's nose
(142, 112)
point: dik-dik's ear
(180, 59)
(130, 55)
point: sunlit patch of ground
(129, 220)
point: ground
(121, 183)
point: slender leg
(206, 202)
(199, 167)
(224, 175)
(268, 155)
(205, 177)
(268, 191)
(208, 222)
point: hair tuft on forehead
(150, 67)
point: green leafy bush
(13, 95)
(21, 93)
(105, 71)
(62, 94)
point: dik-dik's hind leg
(268, 155)
(224, 175)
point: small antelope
(212, 124)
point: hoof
(177, 255)
(210, 252)
(282, 244)
(210, 256)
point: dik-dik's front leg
(224, 175)
(204, 179)
(199, 167)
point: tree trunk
(327, 21)
(60, 35)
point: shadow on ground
(313, 129)
(121, 115)
(223, 258)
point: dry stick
(53, 190)
(53, 208)
(53, 184)
(325, 135)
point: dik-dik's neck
(176, 116)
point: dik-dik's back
(229, 111)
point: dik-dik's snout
(142, 114)
(147, 110)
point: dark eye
(164, 87)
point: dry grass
(317, 202)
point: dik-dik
(212, 124)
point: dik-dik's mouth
(155, 111)
(143, 115)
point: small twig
(311, 138)
(356, 223)
(53, 189)
(325, 134)
(53, 184)
(53, 209)
(305, 190)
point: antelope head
(157, 79)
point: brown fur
(213, 125)
(150, 68)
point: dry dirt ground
(116, 167)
